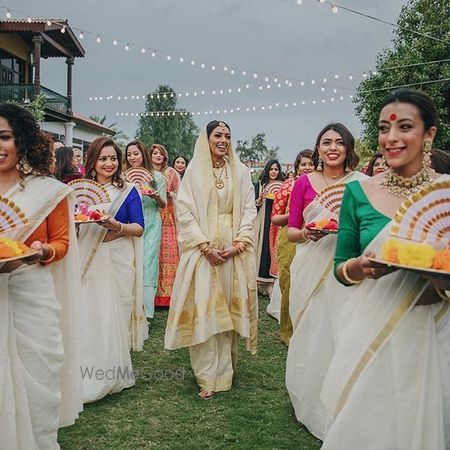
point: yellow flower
(13, 245)
(416, 254)
(389, 251)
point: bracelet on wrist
(205, 249)
(347, 278)
(303, 235)
(120, 228)
(442, 294)
(52, 251)
(240, 246)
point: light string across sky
(269, 80)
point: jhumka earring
(23, 166)
(426, 148)
(319, 167)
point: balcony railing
(24, 93)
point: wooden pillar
(69, 62)
(37, 41)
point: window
(12, 69)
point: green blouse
(359, 223)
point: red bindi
(393, 116)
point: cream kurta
(208, 300)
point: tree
(403, 65)
(257, 150)
(165, 124)
(120, 137)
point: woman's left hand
(42, 253)
(229, 252)
(110, 223)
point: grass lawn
(163, 410)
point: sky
(274, 39)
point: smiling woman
(111, 260)
(37, 335)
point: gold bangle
(205, 249)
(303, 236)
(51, 258)
(240, 246)
(120, 228)
(345, 273)
(442, 294)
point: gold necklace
(333, 177)
(219, 163)
(218, 178)
(402, 186)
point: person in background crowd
(136, 155)
(168, 255)
(214, 296)
(180, 163)
(270, 181)
(66, 168)
(286, 250)
(376, 165)
(78, 159)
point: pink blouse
(302, 195)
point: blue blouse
(131, 209)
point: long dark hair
(165, 153)
(307, 153)
(146, 163)
(351, 159)
(93, 153)
(64, 162)
(264, 177)
(34, 147)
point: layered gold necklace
(333, 177)
(218, 179)
(404, 187)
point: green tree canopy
(403, 65)
(256, 150)
(161, 125)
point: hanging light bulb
(29, 19)
(299, 2)
(49, 22)
(63, 29)
(181, 59)
(81, 35)
(334, 8)
(99, 39)
(8, 14)
(114, 42)
(143, 50)
(153, 53)
(169, 57)
(127, 47)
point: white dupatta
(313, 261)
(384, 304)
(91, 237)
(37, 197)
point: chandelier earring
(92, 174)
(319, 167)
(23, 166)
(426, 148)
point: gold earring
(426, 148)
(319, 167)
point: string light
(99, 39)
(225, 111)
(81, 35)
(334, 8)
(8, 14)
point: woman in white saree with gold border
(40, 387)
(214, 295)
(388, 385)
(316, 298)
(114, 319)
